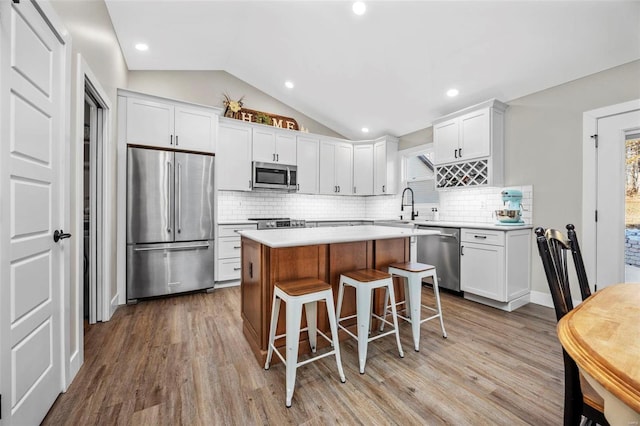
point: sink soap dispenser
(436, 213)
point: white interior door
(610, 199)
(32, 149)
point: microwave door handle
(288, 177)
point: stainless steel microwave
(274, 176)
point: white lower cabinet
(495, 267)
(229, 250)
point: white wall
(92, 36)
(208, 88)
(543, 146)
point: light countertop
(293, 237)
(474, 225)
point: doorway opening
(632, 208)
(92, 207)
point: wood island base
(263, 266)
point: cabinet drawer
(228, 247)
(229, 269)
(482, 236)
(230, 230)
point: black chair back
(553, 248)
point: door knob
(60, 235)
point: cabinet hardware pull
(482, 237)
(250, 186)
(250, 269)
(236, 247)
(461, 250)
(176, 140)
(335, 188)
(383, 188)
(171, 140)
(354, 189)
(237, 269)
(298, 185)
(273, 157)
(455, 153)
(460, 152)
(278, 158)
(338, 188)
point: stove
(278, 222)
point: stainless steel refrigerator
(170, 229)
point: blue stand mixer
(512, 213)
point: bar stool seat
(364, 281)
(413, 274)
(296, 293)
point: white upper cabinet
(273, 146)
(363, 169)
(385, 166)
(336, 168)
(469, 134)
(170, 125)
(195, 129)
(233, 157)
(149, 123)
(308, 161)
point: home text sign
(274, 120)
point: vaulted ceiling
(389, 69)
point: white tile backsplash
(460, 205)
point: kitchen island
(270, 256)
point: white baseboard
(114, 305)
(544, 299)
(540, 298)
(75, 362)
(225, 284)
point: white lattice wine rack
(457, 175)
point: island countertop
(294, 237)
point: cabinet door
(445, 141)
(363, 169)
(482, 270)
(327, 168)
(308, 153)
(344, 168)
(264, 145)
(475, 138)
(286, 148)
(233, 158)
(149, 123)
(194, 129)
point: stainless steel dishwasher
(442, 251)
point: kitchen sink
(397, 223)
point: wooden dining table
(602, 335)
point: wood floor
(184, 360)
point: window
(419, 173)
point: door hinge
(595, 139)
(596, 215)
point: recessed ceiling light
(452, 93)
(288, 84)
(142, 47)
(365, 130)
(359, 8)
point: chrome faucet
(414, 213)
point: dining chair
(580, 399)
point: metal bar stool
(365, 281)
(413, 273)
(296, 293)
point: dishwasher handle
(448, 236)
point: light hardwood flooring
(184, 360)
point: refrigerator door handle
(190, 247)
(169, 204)
(179, 189)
